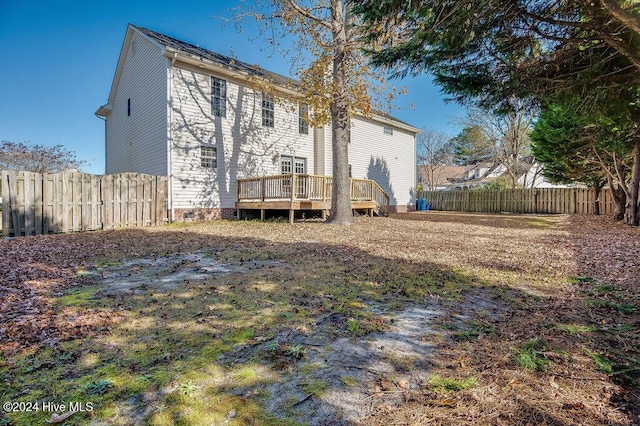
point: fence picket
(536, 200)
(71, 202)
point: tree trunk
(341, 123)
(619, 198)
(596, 206)
(633, 213)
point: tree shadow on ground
(202, 347)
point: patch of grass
(575, 328)
(353, 325)
(470, 330)
(531, 355)
(538, 222)
(314, 387)
(98, 388)
(144, 379)
(623, 308)
(583, 279)
(349, 381)
(296, 351)
(447, 384)
(78, 296)
(603, 363)
(187, 388)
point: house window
(208, 157)
(290, 165)
(218, 97)
(268, 113)
(286, 165)
(129, 107)
(303, 117)
(388, 130)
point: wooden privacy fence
(536, 200)
(35, 203)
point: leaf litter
(452, 296)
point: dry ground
(424, 318)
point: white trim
(170, 141)
(218, 69)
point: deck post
(324, 188)
(262, 215)
(293, 187)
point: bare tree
(509, 135)
(434, 154)
(335, 79)
(37, 158)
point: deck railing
(307, 188)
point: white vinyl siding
(389, 160)
(244, 147)
(136, 129)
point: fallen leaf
(59, 418)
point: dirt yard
(428, 318)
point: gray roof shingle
(216, 58)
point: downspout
(172, 214)
(105, 140)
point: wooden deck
(310, 192)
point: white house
(182, 111)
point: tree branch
(627, 19)
(307, 14)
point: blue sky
(60, 57)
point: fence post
(6, 208)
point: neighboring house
(199, 117)
(533, 178)
(439, 178)
(479, 175)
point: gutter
(176, 55)
(172, 214)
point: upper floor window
(388, 130)
(268, 111)
(218, 97)
(303, 117)
(208, 157)
(129, 107)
